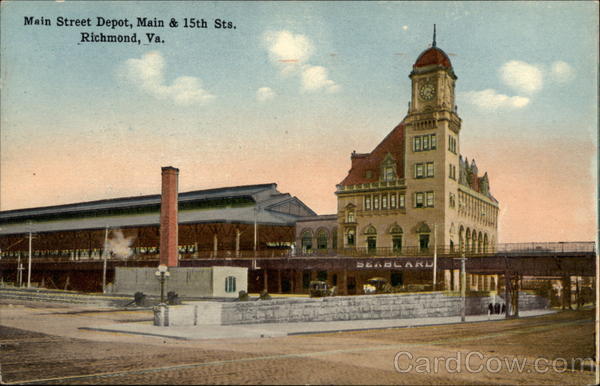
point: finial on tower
(433, 45)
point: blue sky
(288, 94)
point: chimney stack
(169, 250)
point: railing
(442, 251)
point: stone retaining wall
(396, 306)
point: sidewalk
(271, 330)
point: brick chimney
(168, 217)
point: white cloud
(288, 50)
(264, 94)
(315, 78)
(562, 72)
(522, 77)
(489, 99)
(147, 73)
(291, 53)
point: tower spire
(433, 45)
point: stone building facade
(415, 190)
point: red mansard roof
(431, 56)
(393, 143)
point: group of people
(496, 309)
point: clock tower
(432, 129)
(433, 82)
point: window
(350, 237)
(350, 216)
(388, 174)
(424, 242)
(306, 241)
(424, 200)
(419, 170)
(376, 202)
(419, 200)
(429, 169)
(452, 200)
(393, 201)
(384, 201)
(371, 243)
(230, 284)
(424, 142)
(429, 199)
(452, 144)
(424, 170)
(367, 202)
(397, 243)
(417, 144)
(401, 201)
(322, 239)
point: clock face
(427, 91)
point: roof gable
(366, 167)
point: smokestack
(168, 217)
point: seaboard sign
(398, 264)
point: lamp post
(162, 274)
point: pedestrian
(490, 310)
(503, 308)
(497, 308)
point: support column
(507, 297)
(279, 281)
(237, 242)
(447, 280)
(266, 280)
(215, 245)
(456, 280)
(496, 278)
(344, 283)
(299, 282)
(168, 217)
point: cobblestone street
(47, 348)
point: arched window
(306, 241)
(322, 239)
(230, 284)
(396, 232)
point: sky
(289, 91)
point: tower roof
(431, 56)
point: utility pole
(104, 257)
(434, 256)
(29, 262)
(463, 287)
(255, 228)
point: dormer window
(388, 168)
(388, 174)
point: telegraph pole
(434, 256)
(29, 262)
(463, 287)
(104, 257)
